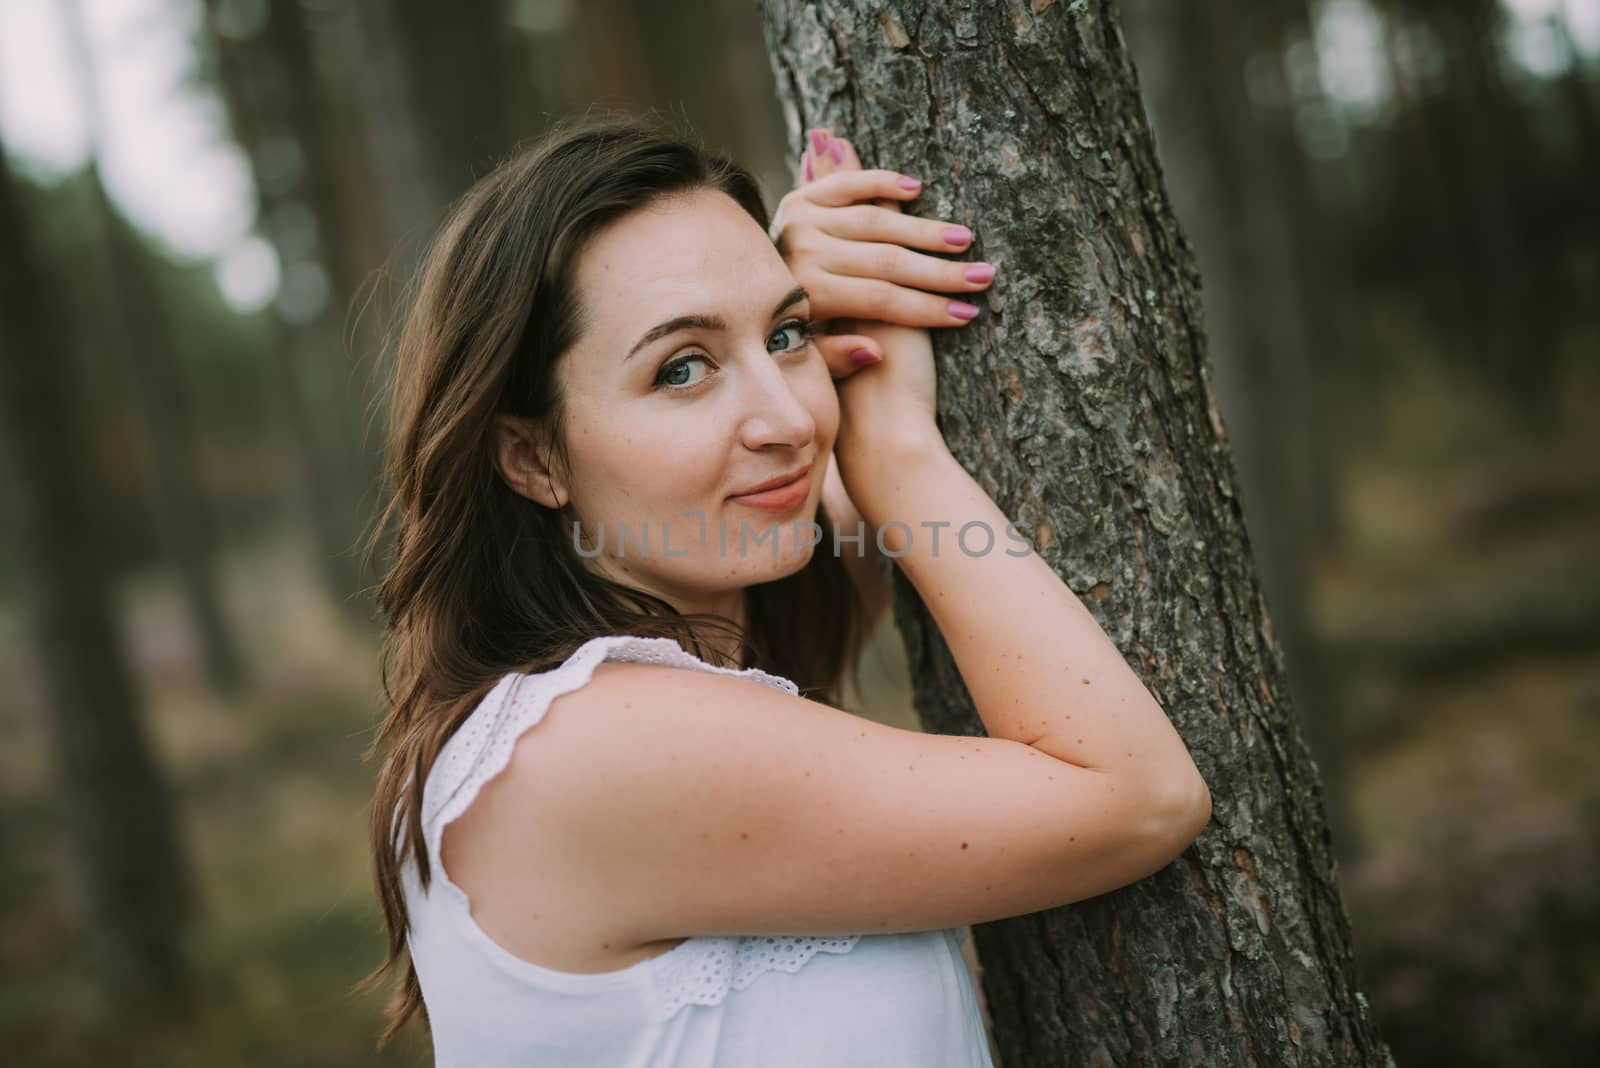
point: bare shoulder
(656, 803)
(518, 851)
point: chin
(775, 545)
(758, 570)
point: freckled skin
(753, 408)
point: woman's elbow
(1182, 810)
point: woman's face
(692, 382)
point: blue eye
(671, 368)
(801, 332)
(805, 332)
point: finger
(901, 266)
(845, 156)
(832, 155)
(817, 139)
(845, 296)
(840, 188)
(845, 354)
(816, 144)
(867, 222)
(824, 156)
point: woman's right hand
(854, 260)
(886, 412)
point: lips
(778, 494)
(775, 483)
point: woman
(621, 820)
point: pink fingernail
(836, 150)
(910, 183)
(819, 140)
(962, 310)
(979, 272)
(862, 357)
(807, 159)
(957, 235)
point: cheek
(652, 461)
(821, 398)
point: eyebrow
(708, 322)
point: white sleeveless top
(789, 1001)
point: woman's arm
(1037, 664)
(868, 568)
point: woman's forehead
(680, 239)
(684, 256)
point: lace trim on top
(707, 972)
(699, 970)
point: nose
(773, 415)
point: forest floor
(1462, 612)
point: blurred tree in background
(131, 871)
(139, 325)
(209, 215)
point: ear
(522, 451)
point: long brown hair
(481, 580)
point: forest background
(1393, 204)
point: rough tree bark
(1232, 175)
(1081, 401)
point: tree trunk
(188, 522)
(135, 885)
(1511, 312)
(1230, 182)
(270, 86)
(1081, 402)
(432, 130)
(715, 90)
